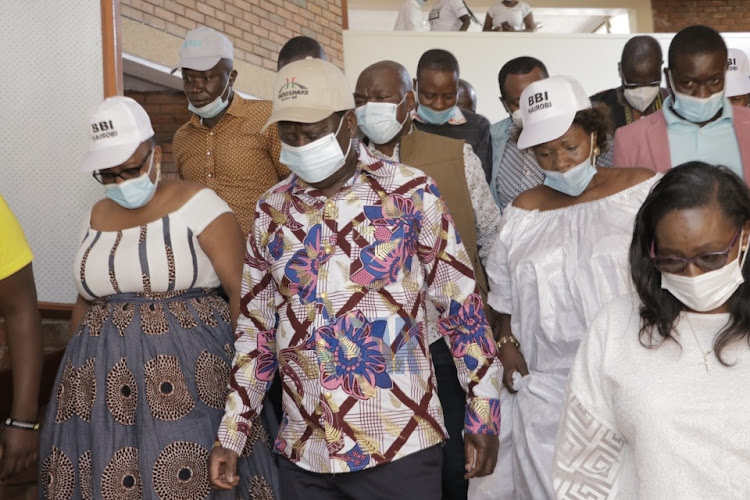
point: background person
(436, 86)
(467, 96)
(139, 392)
(697, 122)
(449, 15)
(221, 146)
(561, 253)
(19, 438)
(737, 83)
(410, 16)
(509, 15)
(514, 170)
(657, 395)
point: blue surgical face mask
(214, 107)
(574, 181)
(379, 121)
(134, 193)
(429, 115)
(696, 109)
(317, 160)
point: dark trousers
(413, 477)
(453, 399)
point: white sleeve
(500, 297)
(486, 212)
(588, 453)
(459, 8)
(202, 209)
(525, 9)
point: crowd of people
(373, 292)
(455, 15)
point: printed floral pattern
(302, 269)
(465, 327)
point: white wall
(51, 78)
(592, 59)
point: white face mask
(378, 120)
(573, 182)
(318, 160)
(641, 97)
(706, 291)
(517, 118)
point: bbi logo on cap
(117, 126)
(548, 108)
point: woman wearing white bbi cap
(560, 254)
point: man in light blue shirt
(714, 143)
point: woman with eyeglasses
(141, 389)
(561, 253)
(657, 404)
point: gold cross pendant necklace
(705, 354)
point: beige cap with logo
(309, 91)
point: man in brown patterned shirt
(221, 145)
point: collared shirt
(410, 17)
(714, 143)
(514, 171)
(233, 157)
(446, 15)
(486, 216)
(333, 292)
(15, 253)
(468, 126)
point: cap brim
(547, 130)
(299, 115)
(108, 158)
(737, 86)
(199, 63)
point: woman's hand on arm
(510, 355)
(223, 243)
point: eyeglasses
(127, 174)
(627, 85)
(707, 261)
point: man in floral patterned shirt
(340, 261)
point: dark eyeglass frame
(700, 260)
(130, 173)
(626, 85)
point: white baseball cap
(737, 81)
(309, 91)
(548, 108)
(117, 126)
(203, 48)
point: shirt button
(329, 204)
(210, 133)
(208, 153)
(209, 175)
(328, 395)
(329, 249)
(324, 295)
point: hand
(222, 468)
(19, 449)
(481, 454)
(512, 361)
(507, 27)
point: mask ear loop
(743, 248)
(335, 136)
(593, 151)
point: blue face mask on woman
(574, 181)
(429, 115)
(134, 193)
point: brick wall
(722, 15)
(258, 28)
(168, 111)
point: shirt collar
(672, 119)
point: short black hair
(697, 39)
(519, 66)
(298, 48)
(438, 60)
(691, 185)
